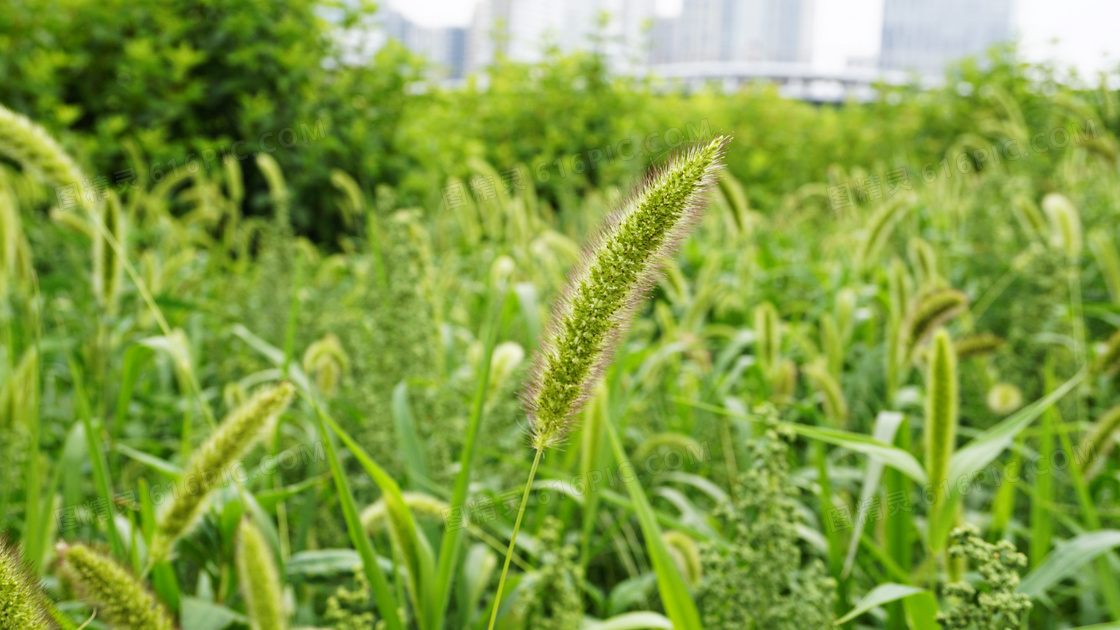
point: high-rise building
(444, 48)
(924, 36)
(735, 31)
(523, 30)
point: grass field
(875, 386)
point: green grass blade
(674, 592)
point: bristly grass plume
(120, 599)
(236, 434)
(21, 601)
(619, 265)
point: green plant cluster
(998, 606)
(761, 578)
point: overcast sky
(1086, 30)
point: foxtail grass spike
(107, 268)
(942, 404)
(898, 286)
(1108, 361)
(1108, 259)
(21, 601)
(686, 555)
(880, 228)
(924, 259)
(238, 432)
(119, 598)
(277, 189)
(1098, 442)
(768, 338)
(927, 313)
(326, 361)
(832, 343)
(846, 303)
(618, 266)
(260, 582)
(34, 149)
(375, 517)
(1065, 223)
(1004, 398)
(978, 345)
(833, 402)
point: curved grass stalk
(596, 307)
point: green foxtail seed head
(1065, 223)
(120, 599)
(686, 555)
(899, 288)
(602, 294)
(1108, 360)
(353, 202)
(924, 259)
(768, 338)
(260, 582)
(375, 517)
(277, 189)
(881, 226)
(1004, 398)
(233, 437)
(942, 405)
(1098, 442)
(926, 314)
(107, 267)
(326, 361)
(21, 601)
(832, 343)
(978, 345)
(1108, 259)
(33, 148)
(832, 396)
(846, 303)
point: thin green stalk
(452, 537)
(382, 596)
(513, 537)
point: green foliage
(997, 606)
(550, 599)
(761, 579)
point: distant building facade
(735, 31)
(522, 30)
(924, 36)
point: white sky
(1088, 31)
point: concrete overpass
(795, 80)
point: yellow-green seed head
(926, 314)
(1065, 223)
(978, 345)
(942, 405)
(832, 396)
(768, 338)
(326, 361)
(686, 555)
(107, 267)
(600, 299)
(119, 598)
(376, 516)
(34, 149)
(1098, 442)
(237, 433)
(1004, 398)
(1108, 259)
(1108, 360)
(21, 601)
(260, 582)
